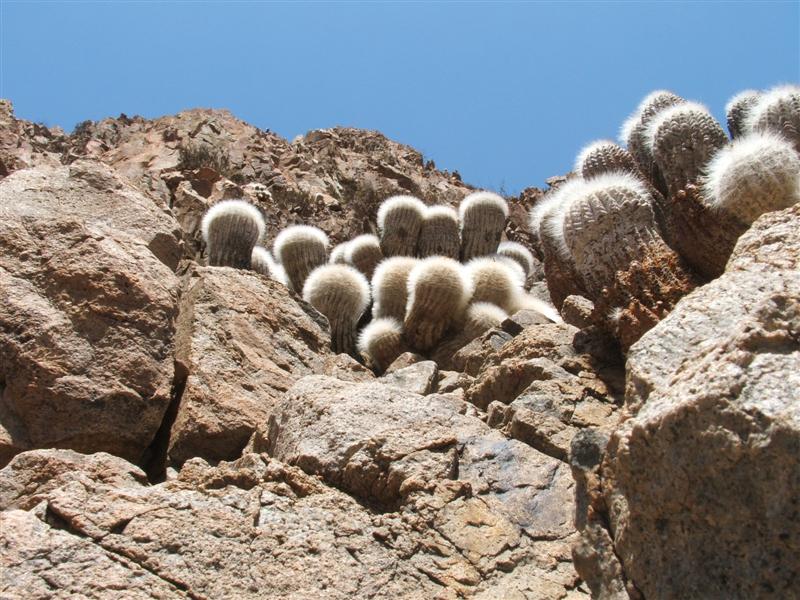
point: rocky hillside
(175, 430)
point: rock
(712, 399)
(88, 302)
(472, 356)
(243, 340)
(406, 359)
(577, 311)
(419, 378)
(449, 381)
(523, 319)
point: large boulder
(88, 301)
(702, 481)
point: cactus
(381, 342)
(604, 156)
(494, 281)
(518, 253)
(399, 221)
(756, 173)
(300, 249)
(337, 256)
(479, 318)
(483, 220)
(682, 139)
(547, 219)
(737, 108)
(777, 110)
(231, 229)
(364, 253)
(340, 293)
(438, 294)
(262, 262)
(390, 287)
(529, 302)
(439, 235)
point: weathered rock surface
(88, 302)
(701, 482)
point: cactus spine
(340, 293)
(381, 342)
(483, 220)
(390, 287)
(438, 293)
(439, 235)
(300, 249)
(737, 108)
(682, 139)
(756, 173)
(364, 253)
(778, 110)
(231, 229)
(399, 221)
(518, 253)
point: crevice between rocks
(155, 457)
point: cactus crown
(298, 234)
(441, 211)
(339, 292)
(337, 256)
(232, 208)
(399, 203)
(377, 329)
(390, 286)
(777, 110)
(689, 111)
(445, 275)
(650, 105)
(262, 261)
(603, 156)
(756, 173)
(542, 208)
(552, 215)
(737, 109)
(518, 253)
(481, 317)
(494, 281)
(481, 200)
(366, 241)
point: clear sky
(505, 93)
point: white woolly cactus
(300, 249)
(263, 262)
(530, 302)
(737, 108)
(439, 234)
(518, 253)
(390, 287)
(399, 221)
(231, 229)
(381, 342)
(364, 253)
(483, 220)
(604, 156)
(494, 281)
(633, 129)
(340, 293)
(337, 256)
(756, 173)
(438, 294)
(777, 110)
(480, 318)
(682, 139)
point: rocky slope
(171, 430)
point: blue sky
(505, 93)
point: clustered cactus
(231, 229)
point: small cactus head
(300, 249)
(518, 253)
(481, 317)
(634, 127)
(535, 218)
(231, 229)
(756, 173)
(399, 222)
(364, 253)
(337, 256)
(381, 342)
(438, 294)
(340, 293)
(439, 234)
(682, 139)
(604, 156)
(778, 110)
(483, 220)
(264, 263)
(494, 281)
(390, 287)
(737, 108)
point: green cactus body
(231, 229)
(364, 253)
(300, 249)
(682, 139)
(390, 287)
(483, 219)
(519, 254)
(737, 108)
(399, 222)
(755, 174)
(381, 342)
(778, 111)
(340, 293)
(438, 294)
(439, 234)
